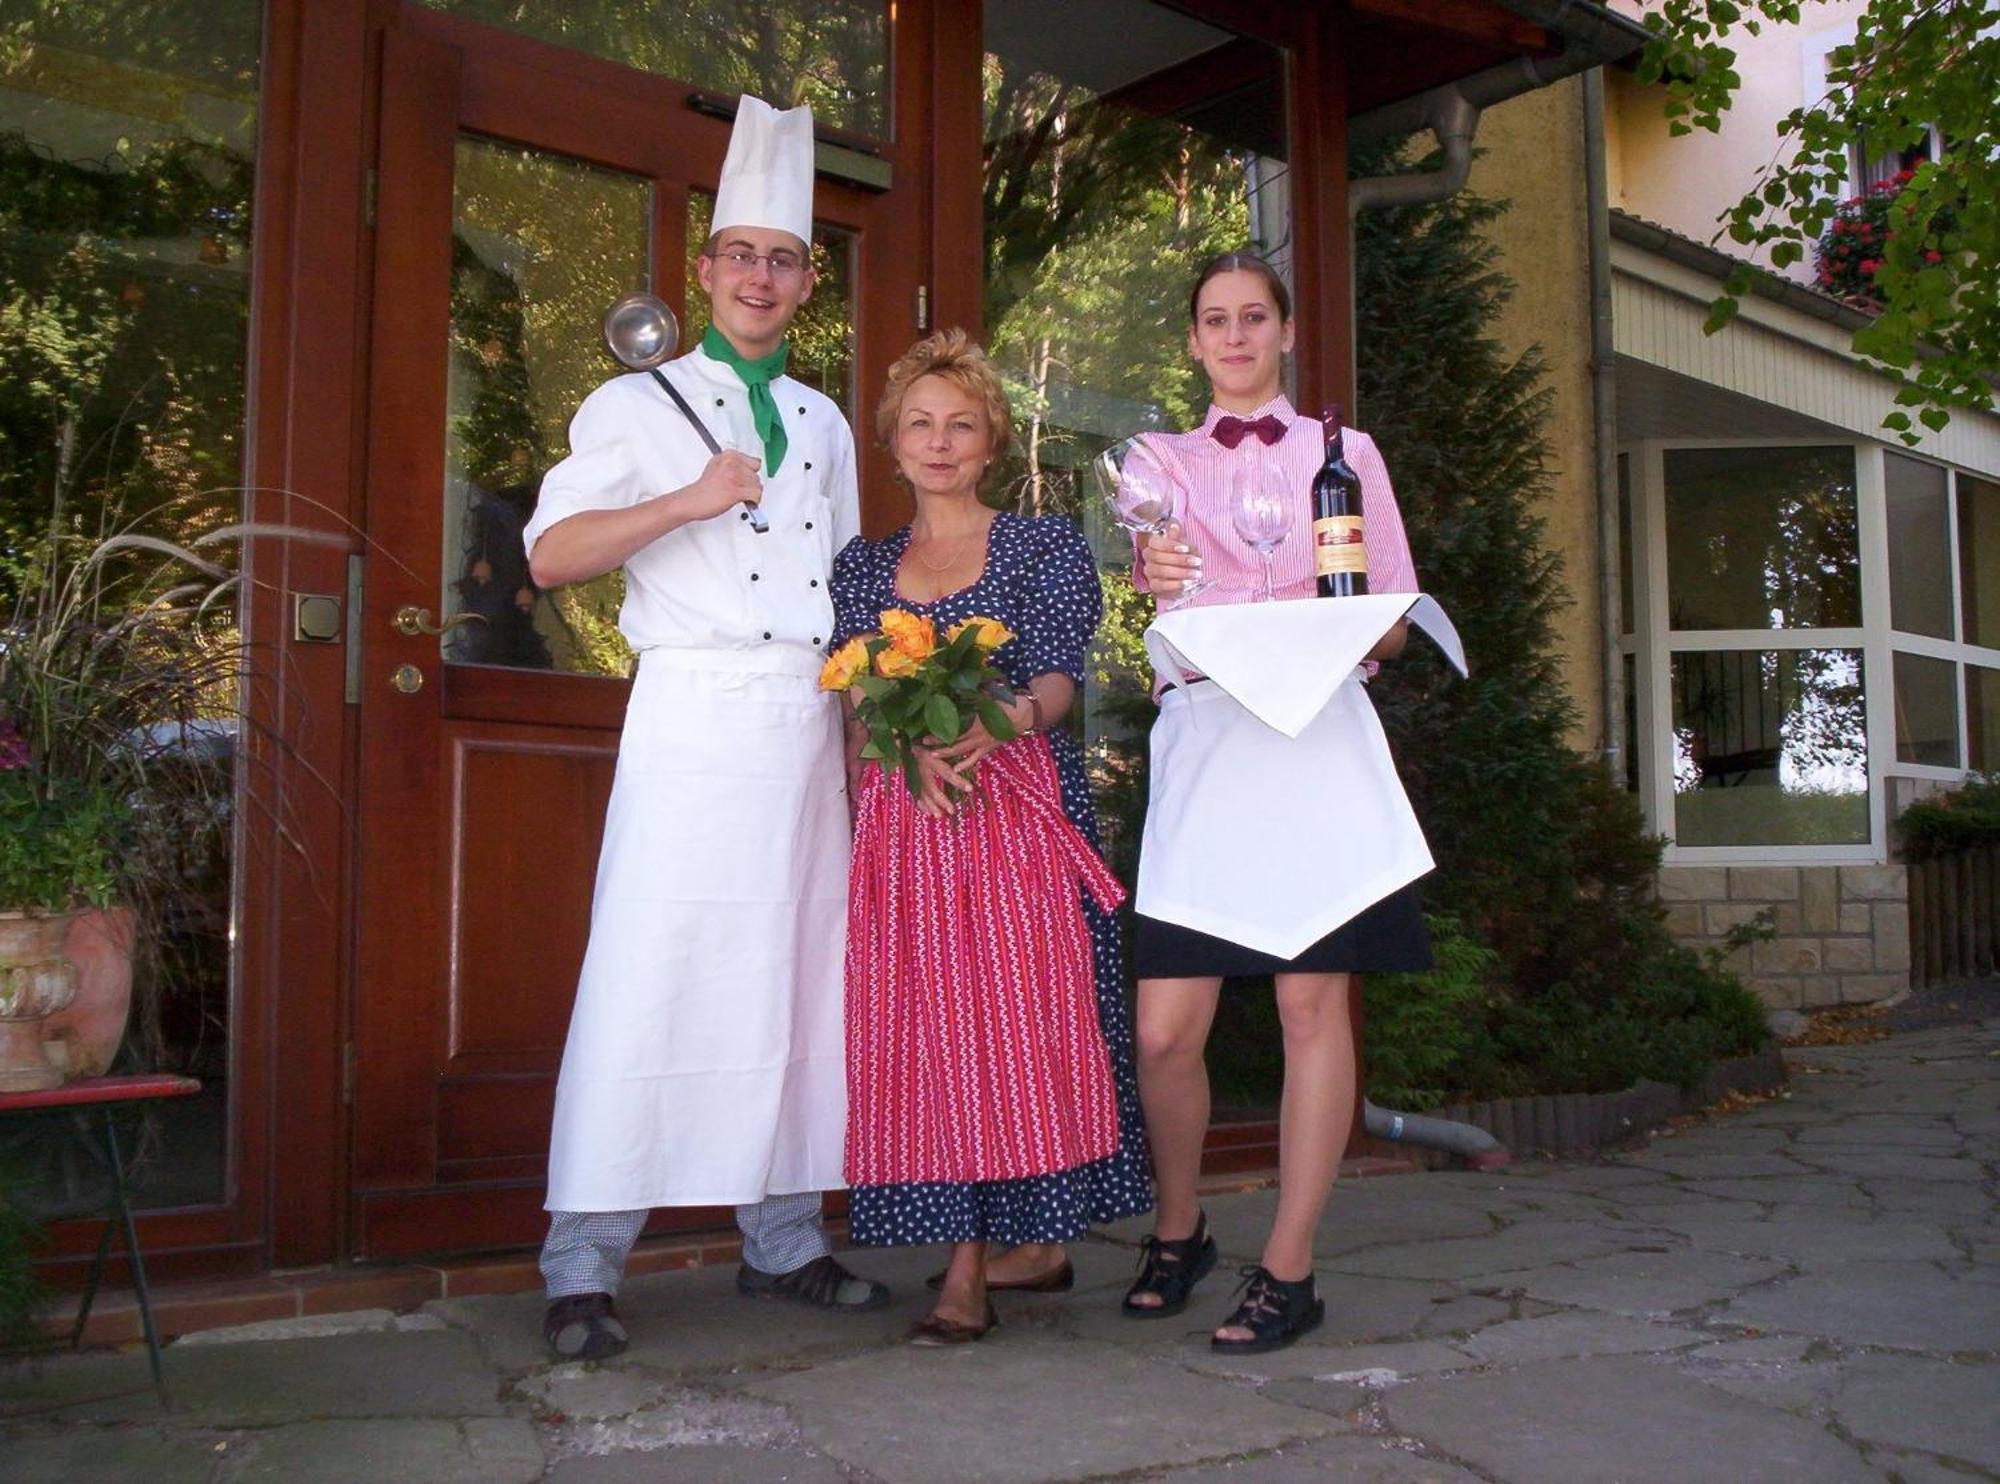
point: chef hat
(767, 177)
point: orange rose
(988, 633)
(893, 663)
(909, 634)
(844, 665)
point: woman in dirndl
(1241, 328)
(991, 1094)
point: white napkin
(1283, 661)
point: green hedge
(1943, 823)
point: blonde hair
(952, 355)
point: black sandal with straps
(1275, 1312)
(1170, 1270)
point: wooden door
(519, 191)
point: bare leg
(963, 1299)
(1313, 1120)
(1028, 1260)
(1173, 1024)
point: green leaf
(997, 724)
(942, 719)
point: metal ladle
(642, 334)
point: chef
(704, 1065)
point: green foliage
(1914, 66)
(1943, 823)
(59, 847)
(914, 689)
(1423, 1029)
(1850, 254)
(1542, 860)
(20, 1292)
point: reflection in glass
(1919, 546)
(127, 160)
(1761, 538)
(1631, 723)
(833, 54)
(540, 246)
(822, 335)
(1124, 146)
(1982, 719)
(1979, 559)
(1770, 748)
(1926, 711)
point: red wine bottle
(1338, 554)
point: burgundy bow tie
(1230, 431)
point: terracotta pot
(82, 1040)
(36, 980)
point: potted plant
(119, 664)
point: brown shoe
(583, 1326)
(933, 1329)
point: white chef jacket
(715, 583)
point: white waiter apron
(1275, 813)
(705, 1063)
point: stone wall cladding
(1842, 933)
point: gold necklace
(957, 545)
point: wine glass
(1261, 511)
(1141, 495)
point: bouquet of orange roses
(911, 689)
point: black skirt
(1388, 938)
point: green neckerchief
(756, 375)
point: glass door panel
(541, 246)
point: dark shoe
(1171, 1270)
(583, 1326)
(1274, 1311)
(1058, 1279)
(822, 1283)
(933, 1330)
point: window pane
(1982, 718)
(1124, 146)
(127, 160)
(1926, 711)
(1625, 576)
(541, 246)
(833, 54)
(1919, 546)
(822, 336)
(1770, 748)
(1761, 538)
(1979, 559)
(1631, 723)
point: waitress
(705, 1064)
(1240, 333)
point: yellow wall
(1533, 156)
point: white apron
(1275, 813)
(705, 1063)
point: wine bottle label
(1337, 545)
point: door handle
(412, 620)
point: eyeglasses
(781, 264)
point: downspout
(1604, 415)
(1591, 37)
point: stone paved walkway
(1809, 1290)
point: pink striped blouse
(1235, 571)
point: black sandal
(1274, 1311)
(1171, 1270)
(583, 1326)
(822, 1284)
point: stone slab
(701, 1464)
(1649, 1283)
(912, 1416)
(1527, 1244)
(1369, 1366)
(1348, 1460)
(1635, 1421)
(1819, 1240)
(679, 1418)
(367, 1375)
(479, 1450)
(1900, 1305)
(1565, 1336)
(77, 1455)
(1935, 1406)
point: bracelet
(1035, 705)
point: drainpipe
(1591, 36)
